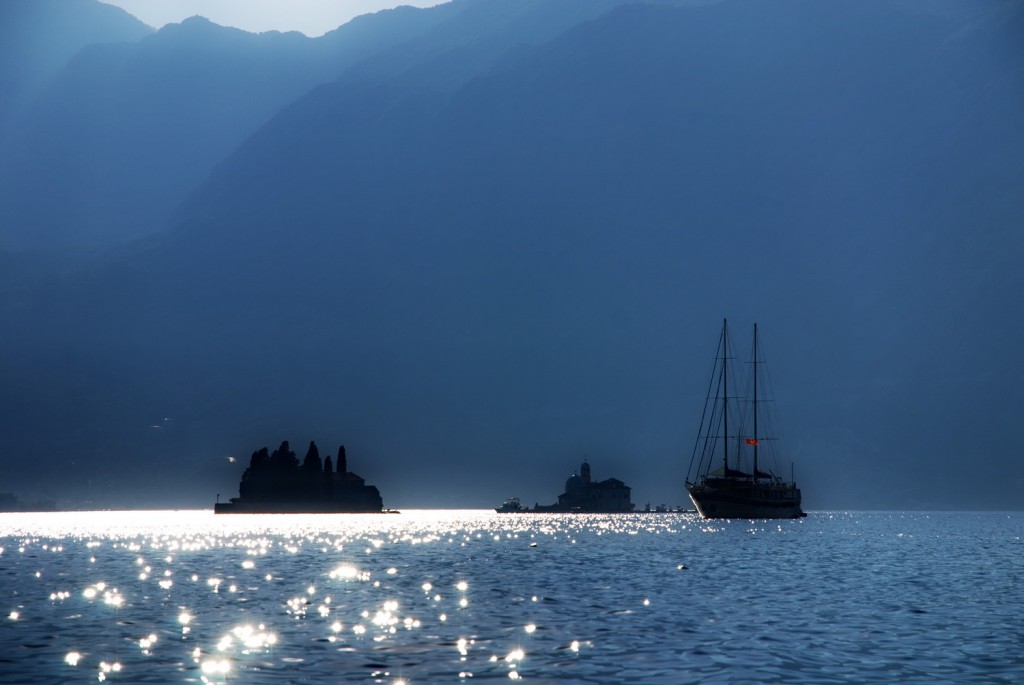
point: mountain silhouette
(124, 131)
(38, 37)
(475, 270)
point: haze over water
(473, 596)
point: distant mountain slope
(127, 129)
(810, 163)
(476, 276)
(477, 33)
(38, 37)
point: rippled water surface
(469, 596)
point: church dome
(574, 484)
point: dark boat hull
(745, 499)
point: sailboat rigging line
(725, 395)
(755, 401)
(701, 433)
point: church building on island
(586, 496)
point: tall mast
(725, 396)
(755, 401)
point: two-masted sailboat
(732, 471)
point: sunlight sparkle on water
(322, 610)
(147, 642)
(347, 572)
(251, 638)
(216, 667)
(106, 668)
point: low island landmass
(276, 483)
(582, 495)
(11, 503)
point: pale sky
(311, 17)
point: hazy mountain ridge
(127, 129)
(488, 277)
(162, 112)
(37, 37)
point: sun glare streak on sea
(444, 596)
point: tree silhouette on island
(276, 482)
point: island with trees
(277, 483)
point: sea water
(480, 597)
